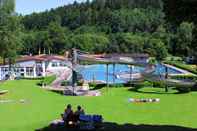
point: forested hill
(98, 12)
(181, 10)
(128, 26)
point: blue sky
(29, 6)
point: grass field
(41, 107)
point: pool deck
(139, 75)
(184, 72)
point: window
(29, 71)
(54, 64)
(22, 74)
(62, 64)
(6, 69)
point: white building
(35, 66)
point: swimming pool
(98, 72)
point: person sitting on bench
(68, 114)
(79, 112)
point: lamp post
(107, 78)
(114, 73)
(74, 74)
(166, 77)
(131, 72)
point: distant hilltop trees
(156, 27)
(7, 5)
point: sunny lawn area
(43, 107)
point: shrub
(159, 84)
(25, 78)
(95, 86)
(139, 85)
(92, 84)
(183, 89)
(194, 88)
(143, 84)
(117, 85)
(188, 77)
(65, 83)
(148, 84)
(47, 80)
(80, 82)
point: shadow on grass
(98, 87)
(125, 127)
(153, 92)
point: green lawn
(43, 107)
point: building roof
(52, 57)
(29, 58)
(146, 56)
(42, 57)
(39, 58)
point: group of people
(70, 116)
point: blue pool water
(98, 71)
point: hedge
(189, 77)
(183, 89)
(48, 80)
(65, 83)
(26, 78)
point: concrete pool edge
(184, 72)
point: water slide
(147, 74)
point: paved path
(64, 75)
(76, 91)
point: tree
(28, 43)
(56, 37)
(136, 20)
(128, 43)
(10, 31)
(96, 43)
(184, 38)
(160, 48)
(164, 35)
(7, 5)
(10, 42)
(132, 27)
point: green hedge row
(183, 89)
(38, 78)
(160, 84)
(190, 77)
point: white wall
(57, 69)
(49, 69)
(26, 64)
